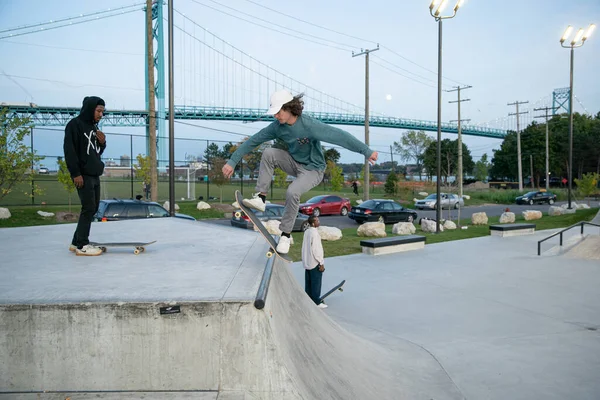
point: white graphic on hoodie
(93, 144)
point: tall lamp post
(439, 7)
(578, 40)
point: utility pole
(392, 157)
(546, 109)
(519, 161)
(366, 53)
(151, 104)
(460, 149)
(171, 116)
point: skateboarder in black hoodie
(84, 144)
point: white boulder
(329, 233)
(359, 201)
(507, 217)
(45, 214)
(553, 211)
(530, 215)
(429, 225)
(272, 226)
(403, 228)
(4, 213)
(372, 229)
(202, 205)
(479, 218)
(166, 206)
(569, 210)
(466, 197)
(424, 194)
(449, 225)
(582, 206)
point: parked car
(121, 209)
(449, 200)
(387, 210)
(43, 171)
(532, 198)
(326, 205)
(272, 212)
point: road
(491, 210)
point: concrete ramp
(588, 248)
(178, 321)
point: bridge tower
(159, 83)
(560, 101)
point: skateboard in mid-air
(139, 247)
(336, 287)
(261, 228)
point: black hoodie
(82, 149)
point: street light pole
(583, 36)
(437, 14)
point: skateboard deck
(261, 228)
(139, 247)
(336, 287)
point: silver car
(448, 200)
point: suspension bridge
(218, 81)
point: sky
(507, 51)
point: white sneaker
(255, 202)
(283, 247)
(322, 305)
(72, 248)
(88, 250)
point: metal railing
(560, 233)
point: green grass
(350, 242)
(28, 216)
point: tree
(331, 155)
(16, 159)
(449, 158)
(216, 175)
(482, 168)
(391, 183)
(280, 178)
(142, 169)
(412, 146)
(211, 152)
(588, 184)
(64, 177)
(251, 159)
(337, 179)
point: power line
(68, 84)
(73, 48)
(398, 73)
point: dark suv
(116, 210)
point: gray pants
(305, 180)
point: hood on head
(89, 106)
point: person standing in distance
(83, 145)
(313, 260)
(304, 158)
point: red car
(323, 205)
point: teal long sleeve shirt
(304, 141)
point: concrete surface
(502, 322)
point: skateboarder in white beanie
(304, 158)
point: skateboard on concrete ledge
(139, 247)
(261, 228)
(336, 287)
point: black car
(532, 198)
(387, 210)
(120, 209)
(272, 211)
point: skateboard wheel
(269, 254)
(136, 252)
(103, 249)
(238, 214)
(341, 290)
(143, 249)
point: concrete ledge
(392, 244)
(505, 230)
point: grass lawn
(350, 242)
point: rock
(166, 206)
(272, 226)
(424, 194)
(359, 201)
(403, 228)
(466, 197)
(222, 207)
(553, 211)
(582, 206)
(449, 225)
(202, 205)
(569, 210)
(430, 225)
(62, 216)
(4, 213)
(479, 218)
(415, 199)
(507, 217)
(45, 214)
(372, 229)
(329, 233)
(530, 215)
(566, 205)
